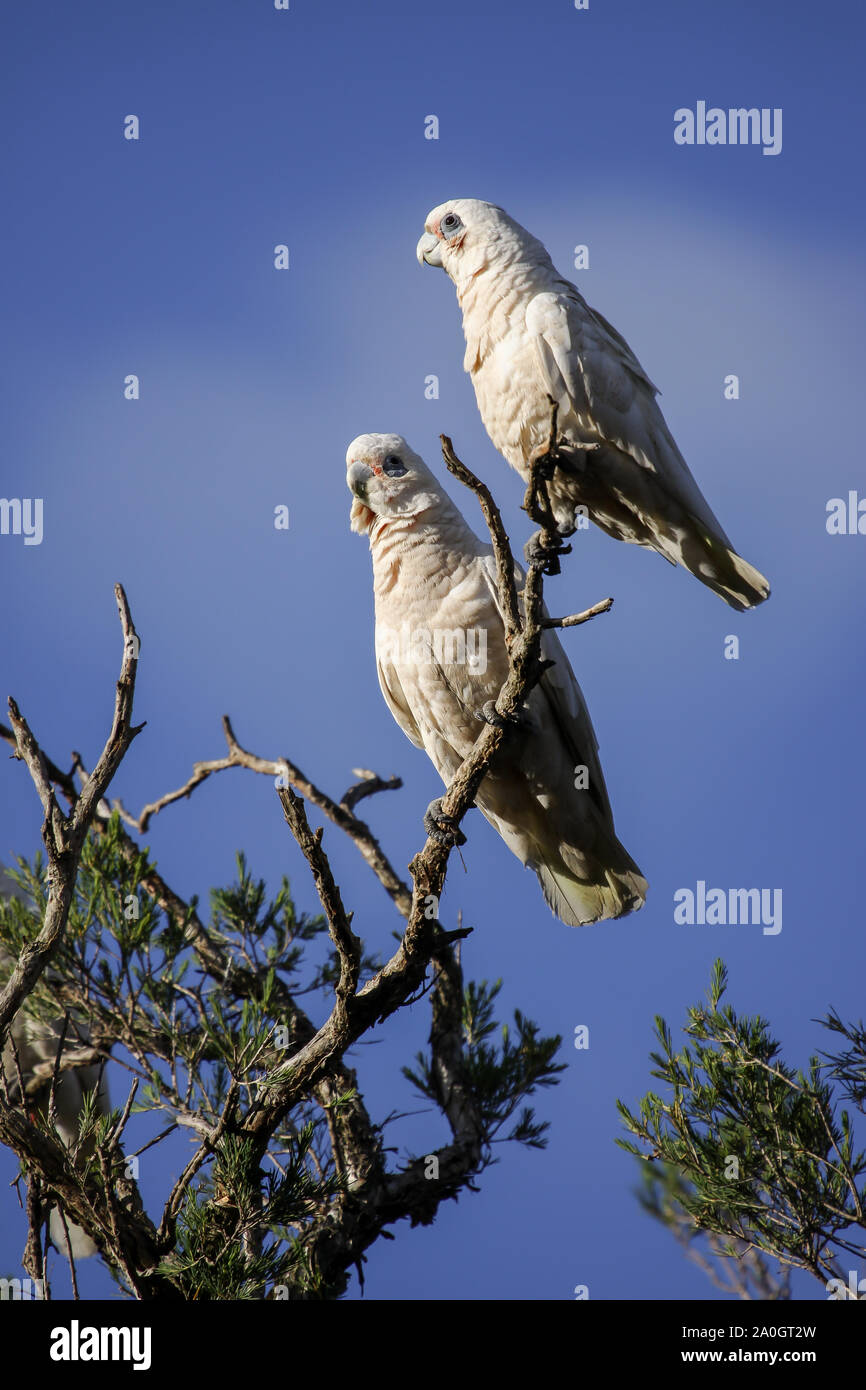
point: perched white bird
(531, 336)
(36, 1043)
(441, 657)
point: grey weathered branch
(446, 1048)
(55, 1072)
(506, 579)
(369, 785)
(315, 1066)
(340, 813)
(347, 945)
(405, 972)
(355, 1126)
(166, 1231)
(64, 836)
(102, 1214)
(575, 619)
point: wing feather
(564, 703)
(605, 395)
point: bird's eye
(394, 466)
(450, 222)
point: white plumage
(441, 656)
(530, 336)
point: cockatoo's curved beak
(357, 476)
(429, 249)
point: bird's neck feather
(418, 545)
(495, 301)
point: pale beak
(357, 477)
(429, 249)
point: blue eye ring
(450, 223)
(394, 466)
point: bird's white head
(387, 479)
(466, 236)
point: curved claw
(489, 714)
(539, 551)
(441, 828)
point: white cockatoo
(36, 1043)
(531, 336)
(441, 658)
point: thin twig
(69, 1255)
(115, 1132)
(64, 836)
(165, 1234)
(505, 569)
(369, 785)
(346, 944)
(340, 813)
(577, 618)
(55, 1074)
(34, 1261)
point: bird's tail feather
(576, 901)
(628, 503)
(586, 875)
(728, 575)
(710, 558)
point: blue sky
(155, 257)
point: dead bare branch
(64, 836)
(347, 945)
(369, 785)
(314, 1067)
(505, 572)
(575, 619)
(288, 774)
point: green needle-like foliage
(197, 1019)
(750, 1154)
